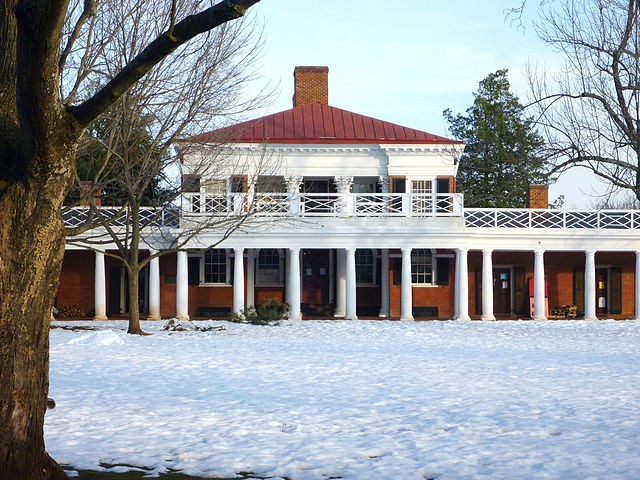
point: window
(365, 263)
(421, 186)
(217, 186)
(269, 267)
(421, 266)
(271, 184)
(215, 266)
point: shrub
(269, 312)
(71, 311)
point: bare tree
(590, 111)
(39, 135)
(129, 154)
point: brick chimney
(311, 85)
(538, 196)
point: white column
(100, 289)
(182, 287)
(462, 284)
(539, 300)
(406, 302)
(350, 312)
(238, 280)
(590, 285)
(637, 285)
(293, 286)
(251, 276)
(487, 285)
(341, 283)
(384, 283)
(456, 288)
(154, 288)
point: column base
(339, 314)
(154, 317)
(408, 318)
(182, 317)
(488, 318)
(354, 317)
(542, 318)
(99, 318)
(589, 318)
(295, 317)
(383, 315)
(464, 318)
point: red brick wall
(311, 85)
(77, 280)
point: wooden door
(502, 290)
(315, 277)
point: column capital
(343, 184)
(406, 249)
(462, 250)
(487, 251)
(539, 251)
(590, 252)
(238, 250)
(294, 250)
(293, 184)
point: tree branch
(88, 11)
(157, 50)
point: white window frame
(373, 268)
(422, 185)
(432, 270)
(227, 275)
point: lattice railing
(74, 217)
(550, 219)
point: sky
(406, 62)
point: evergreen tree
(501, 156)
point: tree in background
(589, 111)
(39, 135)
(128, 157)
(501, 157)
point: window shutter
(442, 271)
(578, 288)
(193, 264)
(443, 185)
(615, 302)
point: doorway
(602, 300)
(502, 290)
(315, 277)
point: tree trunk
(31, 252)
(134, 308)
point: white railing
(74, 217)
(325, 204)
(550, 219)
(366, 205)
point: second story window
(421, 186)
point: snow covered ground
(352, 400)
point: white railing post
(406, 204)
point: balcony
(356, 205)
(325, 204)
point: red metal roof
(318, 123)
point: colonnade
(346, 298)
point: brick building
(360, 218)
